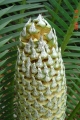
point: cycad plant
(40, 79)
(63, 16)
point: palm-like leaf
(14, 14)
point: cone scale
(40, 81)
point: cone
(40, 81)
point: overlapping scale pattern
(40, 80)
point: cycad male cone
(40, 81)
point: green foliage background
(60, 14)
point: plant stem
(22, 11)
(70, 30)
(74, 111)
